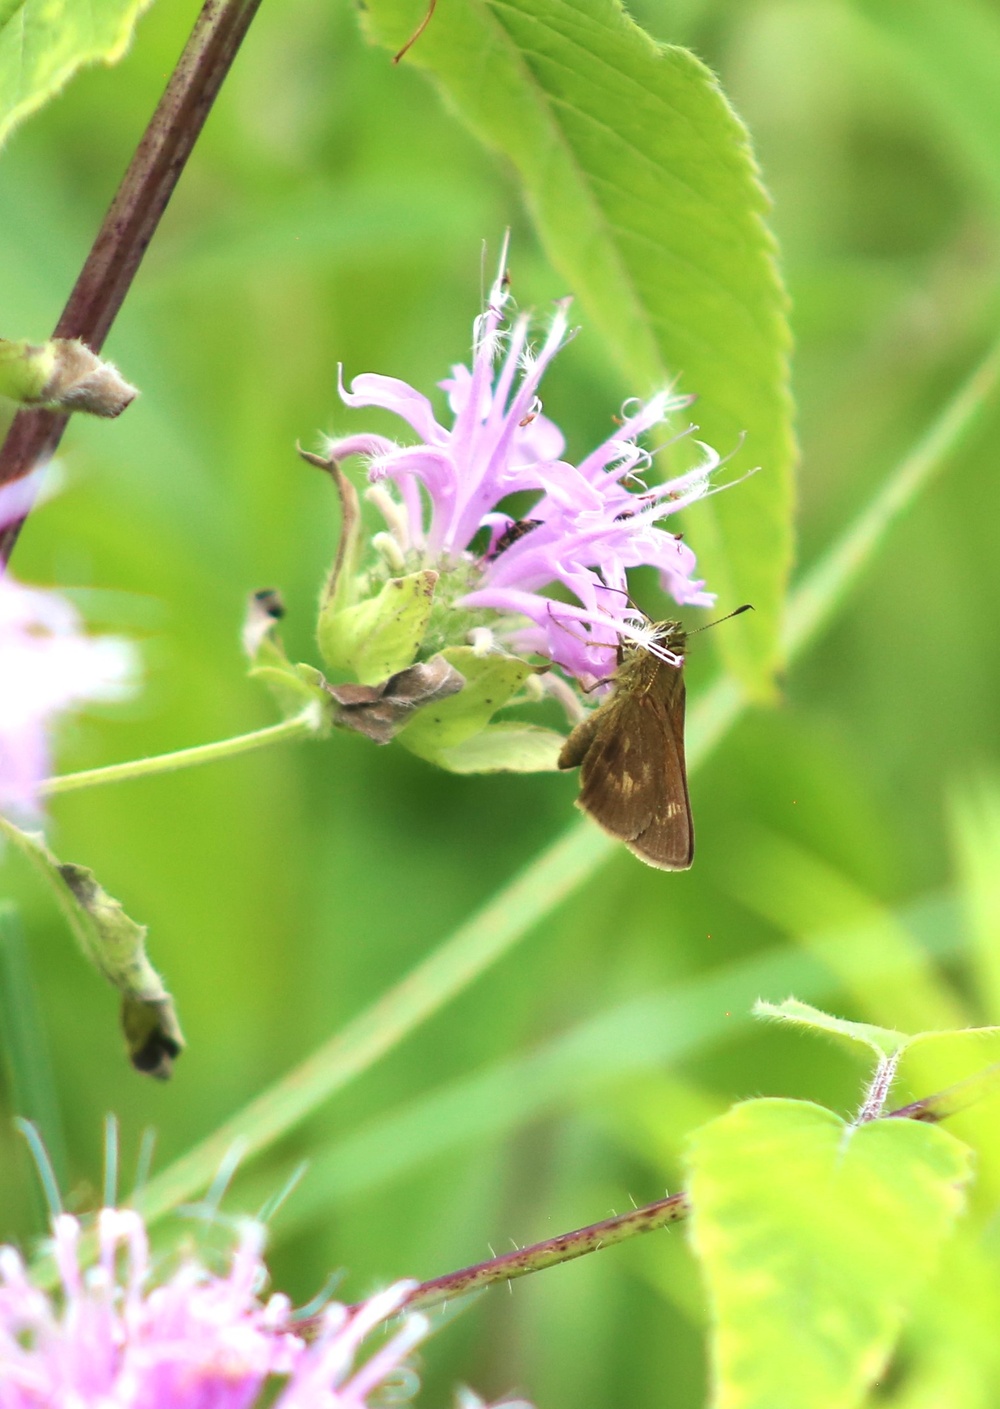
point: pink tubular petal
(24, 764)
(18, 496)
(372, 389)
(370, 446)
(381, 1365)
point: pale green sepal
(339, 589)
(816, 1240)
(506, 748)
(293, 687)
(883, 1040)
(490, 682)
(116, 946)
(378, 638)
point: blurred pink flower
(47, 664)
(116, 1338)
(588, 524)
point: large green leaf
(816, 1239)
(44, 42)
(646, 195)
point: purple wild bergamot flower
(588, 524)
(125, 1334)
(499, 558)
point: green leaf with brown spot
(116, 946)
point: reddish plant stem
(953, 1099)
(132, 219)
(537, 1256)
(647, 1219)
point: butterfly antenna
(746, 607)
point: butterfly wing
(668, 840)
(632, 775)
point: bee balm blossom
(47, 665)
(588, 524)
(116, 1336)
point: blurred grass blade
(42, 46)
(646, 194)
(824, 587)
(477, 944)
(879, 963)
(950, 54)
(25, 1051)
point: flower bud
(62, 375)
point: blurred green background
(333, 211)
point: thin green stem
(543, 885)
(933, 1109)
(301, 726)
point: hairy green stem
(131, 221)
(564, 1248)
(567, 1246)
(300, 726)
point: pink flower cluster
(47, 664)
(114, 1339)
(588, 524)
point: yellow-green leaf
(44, 42)
(816, 1239)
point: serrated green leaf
(883, 1040)
(44, 42)
(490, 681)
(816, 1239)
(646, 195)
(116, 946)
(381, 636)
(506, 748)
